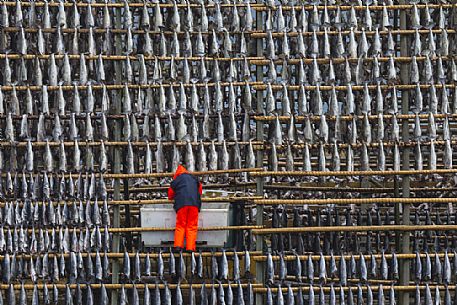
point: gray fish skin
(160, 265)
(203, 295)
(35, 296)
(418, 267)
(322, 269)
(369, 295)
(98, 267)
(11, 297)
(380, 295)
(447, 269)
(384, 267)
(363, 268)
(126, 265)
(55, 294)
(172, 264)
(270, 270)
(282, 268)
(200, 266)
(147, 265)
(213, 299)
(182, 268)
(321, 295)
(280, 297)
(167, 295)
(221, 294)
(103, 295)
(22, 296)
(299, 296)
(225, 267)
(332, 299)
(229, 295)
(6, 268)
(447, 297)
(157, 294)
(311, 295)
(192, 297)
(290, 299)
(298, 268)
(123, 297)
(240, 295)
(137, 267)
(394, 268)
(428, 295)
(178, 299)
(343, 271)
(247, 263)
(438, 269)
(214, 267)
(193, 264)
(310, 268)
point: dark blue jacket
(186, 190)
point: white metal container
(163, 215)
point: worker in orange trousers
(186, 191)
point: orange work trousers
(186, 225)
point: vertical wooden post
(117, 108)
(398, 219)
(405, 264)
(260, 137)
(127, 223)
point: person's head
(180, 170)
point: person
(185, 190)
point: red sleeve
(200, 188)
(171, 193)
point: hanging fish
(160, 265)
(172, 264)
(182, 268)
(323, 129)
(444, 42)
(428, 294)
(269, 269)
(277, 135)
(200, 266)
(447, 158)
(322, 269)
(126, 268)
(247, 263)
